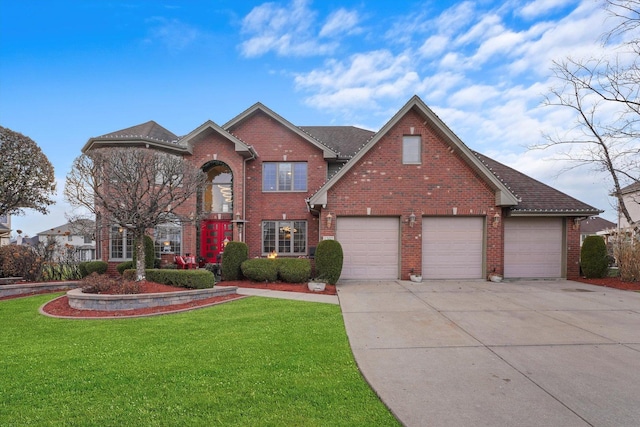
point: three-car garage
(453, 247)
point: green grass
(255, 361)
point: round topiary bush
(99, 267)
(235, 253)
(593, 257)
(125, 266)
(329, 259)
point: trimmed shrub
(99, 267)
(260, 269)
(593, 257)
(293, 270)
(82, 268)
(235, 253)
(193, 279)
(125, 266)
(329, 259)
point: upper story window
(218, 193)
(282, 176)
(411, 150)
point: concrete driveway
(526, 353)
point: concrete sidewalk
(528, 353)
(298, 296)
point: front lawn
(255, 361)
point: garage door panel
(370, 247)
(452, 247)
(533, 247)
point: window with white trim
(120, 244)
(411, 150)
(284, 237)
(168, 239)
(281, 176)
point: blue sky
(70, 70)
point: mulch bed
(611, 282)
(60, 306)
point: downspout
(244, 188)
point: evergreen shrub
(259, 269)
(329, 258)
(235, 253)
(594, 258)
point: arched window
(218, 193)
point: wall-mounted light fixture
(284, 215)
(576, 223)
(412, 219)
(496, 220)
(329, 220)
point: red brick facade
(377, 183)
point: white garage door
(370, 247)
(452, 247)
(533, 247)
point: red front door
(212, 237)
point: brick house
(411, 198)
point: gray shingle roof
(594, 224)
(535, 197)
(346, 140)
(149, 130)
(631, 188)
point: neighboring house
(631, 197)
(5, 229)
(75, 239)
(596, 226)
(411, 198)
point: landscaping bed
(60, 306)
(611, 282)
(280, 286)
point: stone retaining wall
(27, 288)
(82, 301)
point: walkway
(534, 353)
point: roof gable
(258, 107)
(210, 127)
(503, 196)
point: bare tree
(604, 95)
(26, 175)
(134, 188)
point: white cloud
(290, 30)
(538, 8)
(433, 46)
(363, 79)
(340, 22)
(174, 34)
